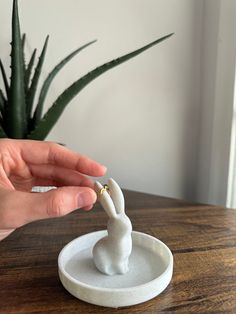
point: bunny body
(111, 253)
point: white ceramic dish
(151, 268)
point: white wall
(217, 98)
(141, 119)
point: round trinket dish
(150, 271)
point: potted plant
(17, 118)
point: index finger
(42, 152)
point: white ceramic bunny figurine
(111, 253)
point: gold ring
(104, 189)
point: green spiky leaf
(2, 108)
(53, 114)
(35, 79)
(16, 119)
(2, 133)
(49, 79)
(2, 102)
(4, 77)
(28, 70)
(23, 41)
(23, 47)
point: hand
(24, 164)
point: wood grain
(201, 237)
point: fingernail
(86, 198)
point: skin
(24, 164)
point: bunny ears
(112, 202)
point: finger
(5, 233)
(36, 152)
(60, 176)
(18, 208)
(87, 208)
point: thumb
(18, 208)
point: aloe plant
(18, 118)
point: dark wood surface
(202, 239)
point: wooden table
(202, 239)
